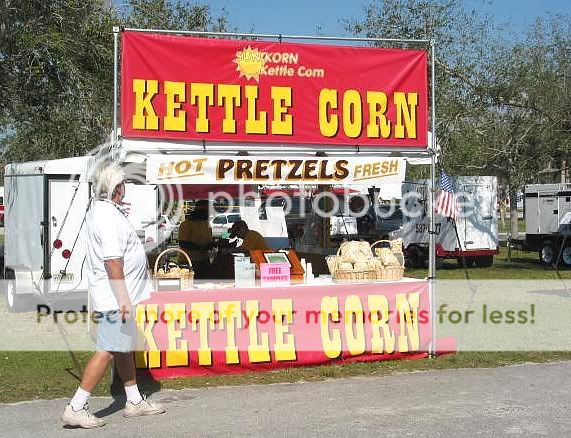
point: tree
(56, 74)
(502, 104)
(460, 34)
(523, 95)
(171, 15)
(57, 59)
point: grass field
(40, 375)
(524, 265)
(505, 227)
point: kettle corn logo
(250, 63)
(253, 63)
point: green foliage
(57, 60)
(461, 37)
(165, 14)
(502, 103)
(56, 74)
(47, 375)
(523, 97)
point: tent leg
(431, 198)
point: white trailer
(477, 227)
(547, 208)
(44, 246)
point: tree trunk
(513, 214)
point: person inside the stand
(195, 238)
(222, 267)
(250, 239)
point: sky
(322, 17)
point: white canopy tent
(137, 150)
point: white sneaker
(144, 407)
(82, 418)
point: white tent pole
(114, 138)
(431, 200)
(115, 83)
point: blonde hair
(105, 178)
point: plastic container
(309, 273)
(244, 272)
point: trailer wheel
(484, 261)
(566, 255)
(547, 253)
(15, 302)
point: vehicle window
(233, 218)
(219, 220)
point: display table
(232, 330)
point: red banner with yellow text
(205, 89)
(233, 331)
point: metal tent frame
(428, 45)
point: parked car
(222, 223)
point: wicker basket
(389, 272)
(394, 245)
(345, 274)
(186, 277)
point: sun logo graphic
(250, 63)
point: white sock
(133, 394)
(79, 399)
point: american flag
(446, 203)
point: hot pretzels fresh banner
(182, 88)
(213, 169)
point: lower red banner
(204, 332)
